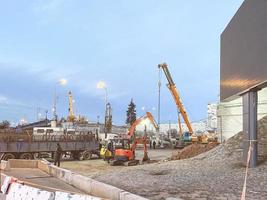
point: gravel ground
(216, 175)
(212, 175)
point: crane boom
(71, 112)
(176, 96)
(149, 116)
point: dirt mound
(236, 142)
(233, 147)
(193, 150)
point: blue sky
(120, 42)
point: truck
(25, 144)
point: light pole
(102, 85)
(61, 82)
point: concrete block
(2, 197)
(42, 165)
(66, 196)
(22, 192)
(18, 163)
(5, 165)
(83, 183)
(129, 196)
(88, 185)
(5, 183)
(105, 191)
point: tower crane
(71, 117)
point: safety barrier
(85, 184)
(15, 190)
(88, 185)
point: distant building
(212, 117)
(198, 127)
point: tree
(4, 124)
(131, 113)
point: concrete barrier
(66, 196)
(88, 185)
(22, 192)
(18, 163)
(43, 165)
(4, 165)
(62, 174)
(13, 190)
(85, 184)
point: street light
(102, 85)
(61, 82)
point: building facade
(230, 115)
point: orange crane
(176, 97)
(127, 155)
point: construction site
(79, 153)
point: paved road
(95, 167)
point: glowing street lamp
(62, 82)
(102, 85)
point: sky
(119, 42)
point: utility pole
(55, 105)
(159, 98)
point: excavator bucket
(145, 158)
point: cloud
(3, 99)
(7, 101)
(48, 10)
(45, 6)
(76, 76)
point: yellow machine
(105, 153)
(109, 147)
(71, 117)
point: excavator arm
(149, 116)
(141, 140)
(176, 96)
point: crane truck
(186, 137)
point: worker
(154, 144)
(100, 145)
(58, 155)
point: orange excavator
(126, 155)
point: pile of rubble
(193, 150)
(236, 142)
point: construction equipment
(186, 136)
(71, 117)
(20, 144)
(109, 146)
(126, 155)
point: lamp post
(61, 82)
(102, 85)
